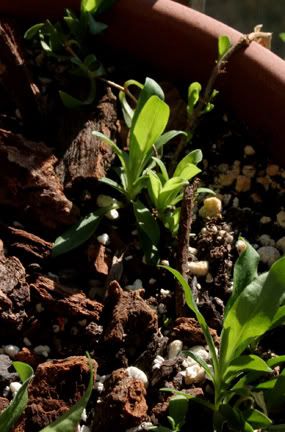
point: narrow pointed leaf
(166, 137)
(154, 187)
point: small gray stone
(7, 372)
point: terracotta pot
(182, 43)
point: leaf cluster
(256, 306)
(66, 41)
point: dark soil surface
(103, 298)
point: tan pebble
(212, 207)
(256, 197)
(249, 171)
(272, 170)
(243, 183)
(226, 179)
(281, 244)
(265, 219)
(281, 218)
(198, 268)
(249, 150)
(268, 254)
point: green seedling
(177, 411)
(255, 303)
(67, 42)
(165, 193)
(12, 413)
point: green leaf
(166, 137)
(276, 428)
(33, 31)
(187, 163)
(70, 419)
(154, 187)
(282, 37)
(148, 127)
(113, 184)
(193, 96)
(275, 361)
(257, 418)
(279, 317)
(245, 271)
(252, 313)
(171, 221)
(95, 27)
(246, 363)
(169, 191)
(203, 190)
(79, 233)
(128, 112)
(146, 221)
(224, 44)
(192, 305)
(178, 407)
(162, 167)
(12, 413)
(121, 155)
(150, 88)
(24, 370)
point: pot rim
(182, 43)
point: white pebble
(27, 342)
(55, 328)
(194, 374)
(157, 362)
(249, 150)
(112, 214)
(241, 246)
(266, 240)
(212, 207)
(99, 386)
(281, 244)
(84, 415)
(43, 350)
(268, 254)
(265, 220)
(164, 262)
(174, 348)
(85, 428)
(235, 202)
(129, 258)
(142, 427)
(137, 373)
(281, 218)
(198, 268)
(200, 351)
(192, 250)
(39, 307)
(11, 350)
(162, 309)
(152, 281)
(138, 284)
(104, 239)
(164, 293)
(15, 387)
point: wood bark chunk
(189, 331)
(57, 385)
(87, 157)
(66, 302)
(16, 76)
(14, 294)
(25, 244)
(124, 401)
(29, 182)
(126, 314)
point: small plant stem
(119, 87)
(219, 68)
(183, 241)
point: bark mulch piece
(190, 332)
(86, 156)
(14, 294)
(129, 321)
(4, 402)
(123, 399)
(57, 385)
(29, 181)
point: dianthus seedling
(252, 310)
(177, 411)
(66, 41)
(14, 410)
